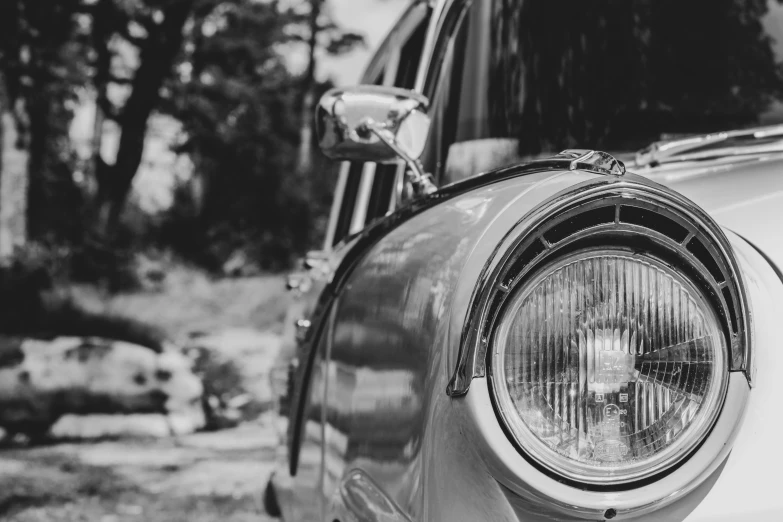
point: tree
(245, 117)
(234, 99)
(610, 74)
(215, 65)
(155, 30)
(321, 33)
(41, 65)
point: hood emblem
(592, 161)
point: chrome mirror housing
(378, 124)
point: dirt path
(202, 477)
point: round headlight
(608, 366)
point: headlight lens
(608, 366)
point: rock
(47, 379)
(150, 273)
(254, 354)
(239, 264)
(97, 426)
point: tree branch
(109, 110)
(155, 64)
(119, 80)
(124, 32)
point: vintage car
(516, 316)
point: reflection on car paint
(383, 345)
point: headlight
(608, 366)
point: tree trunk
(14, 163)
(3, 116)
(38, 182)
(308, 94)
(156, 59)
(101, 37)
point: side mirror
(378, 124)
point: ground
(195, 478)
(189, 301)
(214, 476)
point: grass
(136, 506)
(54, 483)
(160, 482)
(72, 492)
(63, 483)
(190, 301)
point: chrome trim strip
(397, 194)
(413, 14)
(393, 63)
(362, 198)
(438, 19)
(337, 202)
(666, 150)
(429, 44)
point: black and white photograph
(391, 260)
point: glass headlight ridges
(608, 366)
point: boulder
(43, 380)
(236, 366)
(253, 353)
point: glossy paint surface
(393, 344)
(387, 356)
(748, 486)
(394, 445)
(742, 195)
(383, 441)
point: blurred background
(157, 179)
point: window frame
(383, 70)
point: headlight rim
(631, 188)
(516, 471)
(546, 464)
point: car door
(364, 193)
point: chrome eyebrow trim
(728, 290)
(668, 149)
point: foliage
(217, 66)
(239, 106)
(33, 302)
(235, 104)
(200, 478)
(42, 65)
(613, 73)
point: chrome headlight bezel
(627, 211)
(529, 442)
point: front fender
(395, 339)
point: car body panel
(388, 418)
(387, 357)
(394, 344)
(742, 194)
(383, 440)
(749, 486)
(532, 495)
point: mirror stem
(420, 180)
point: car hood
(744, 195)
